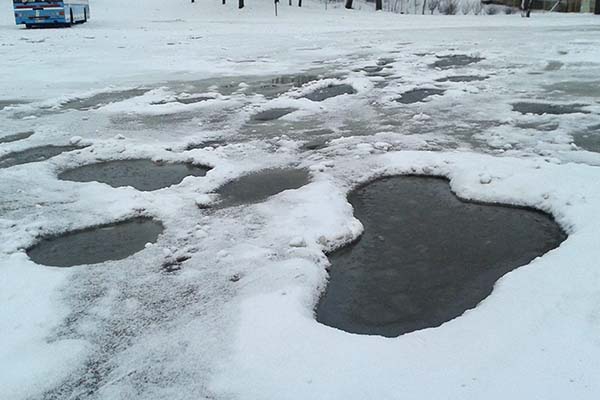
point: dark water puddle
(15, 137)
(259, 186)
(183, 100)
(101, 99)
(425, 256)
(576, 88)
(539, 126)
(329, 92)
(34, 154)
(271, 88)
(98, 244)
(272, 114)
(10, 103)
(590, 140)
(455, 60)
(463, 78)
(207, 143)
(386, 61)
(418, 95)
(553, 66)
(315, 144)
(547, 108)
(144, 175)
(370, 69)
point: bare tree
(477, 7)
(378, 5)
(424, 6)
(466, 6)
(349, 4)
(448, 7)
(433, 4)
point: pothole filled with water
(184, 100)
(270, 88)
(547, 108)
(15, 137)
(329, 92)
(463, 78)
(455, 60)
(10, 103)
(576, 88)
(418, 95)
(141, 174)
(34, 154)
(207, 143)
(589, 140)
(259, 186)
(101, 99)
(546, 126)
(96, 245)
(425, 256)
(272, 114)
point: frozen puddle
(547, 108)
(34, 154)
(15, 137)
(270, 88)
(455, 60)
(463, 78)
(425, 256)
(101, 99)
(418, 95)
(259, 186)
(184, 100)
(329, 92)
(10, 103)
(206, 143)
(95, 245)
(590, 140)
(141, 174)
(272, 114)
(283, 84)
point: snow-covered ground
(236, 322)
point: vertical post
(241, 4)
(378, 5)
(597, 7)
(349, 4)
(276, 2)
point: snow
(236, 321)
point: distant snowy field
(237, 322)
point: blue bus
(40, 13)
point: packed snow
(235, 320)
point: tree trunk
(299, 3)
(349, 4)
(378, 5)
(241, 4)
(424, 5)
(223, 2)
